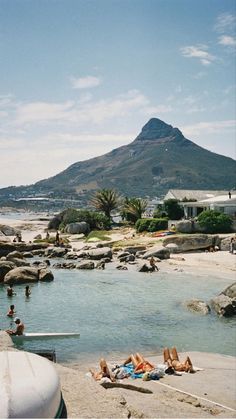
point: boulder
(100, 253)
(225, 244)
(6, 248)
(127, 258)
(192, 242)
(172, 247)
(28, 255)
(8, 230)
(77, 228)
(197, 306)
(134, 249)
(123, 254)
(21, 274)
(14, 254)
(45, 275)
(230, 291)
(27, 274)
(20, 262)
(146, 268)
(122, 268)
(5, 267)
(4, 238)
(224, 305)
(159, 252)
(38, 252)
(184, 226)
(71, 255)
(85, 265)
(55, 252)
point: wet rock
(20, 262)
(5, 267)
(38, 252)
(85, 265)
(197, 306)
(223, 305)
(14, 254)
(45, 275)
(122, 268)
(28, 255)
(27, 274)
(71, 255)
(55, 252)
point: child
(11, 311)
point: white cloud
(225, 22)
(227, 40)
(42, 112)
(212, 127)
(85, 82)
(198, 51)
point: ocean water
(119, 312)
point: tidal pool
(118, 312)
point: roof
(197, 194)
(222, 200)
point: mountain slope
(158, 159)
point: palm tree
(133, 209)
(106, 200)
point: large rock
(230, 291)
(85, 265)
(8, 230)
(5, 267)
(55, 252)
(159, 252)
(45, 275)
(100, 253)
(27, 274)
(225, 244)
(197, 306)
(192, 242)
(14, 254)
(6, 248)
(134, 249)
(20, 262)
(77, 228)
(184, 226)
(224, 305)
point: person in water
(27, 291)
(171, 359)
(139, 363)
(11, 311)
(20, 327)
(10, 291)
(103, 373)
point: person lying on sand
(139, 363)
(103, 373)
(172, 360)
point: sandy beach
(209, 392)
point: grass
(98, 235)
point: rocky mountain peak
(156, 128)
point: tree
(106, 200)
(133, 209)
(215, 222)
(173, 210)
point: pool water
(118, 312)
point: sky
(79, 78)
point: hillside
(158, 159)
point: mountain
(160, 158)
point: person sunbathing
(103, 373)
(139, 363)
(171, 358)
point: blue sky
(81, 77)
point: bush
(151, 224)
(95, 219)
(215, 222)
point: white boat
(44, 335)
(29, 387)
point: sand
(207, 393)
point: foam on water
(118, 312)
